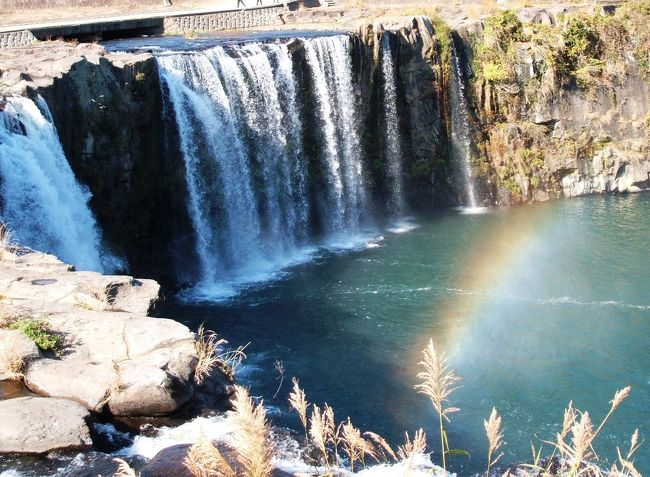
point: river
(535, 305)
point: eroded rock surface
(33, 425)
(113, 354)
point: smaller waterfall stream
(391, 122)
(461, 139)
(43, 204)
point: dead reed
(12, 363)
(298, 401)
(438, 382)
(495, 438)
(210, 353)
(412, 448)
(124, 469)
(204, 460)
(252, 436)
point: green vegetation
(585, 48)
(39, 332)
(443, 35)
(495, 55)
(505, 28)
(495, 72)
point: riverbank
(86, 351)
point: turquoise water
(535, 306)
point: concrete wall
(16, 38)
(230, 20)
(29, 4)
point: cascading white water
(43, 204)
(393, 152)
(461, 138)
(333, 62)
(249, 177)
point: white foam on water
(288, 452)
(473, 210)
(402, 225)
(216, 428)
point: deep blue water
(535, 305)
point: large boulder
(113, 356)
(140, 366)
(33, 425)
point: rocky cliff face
(420, 55)
(557, 107)
(122, 144)
(563, 103)
(110, 118)
(109, 114)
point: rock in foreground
(33, 425)
(114, 357)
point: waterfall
(241, 117)
(329, 62)
(461, 136)
(391, 122)
(42, 203)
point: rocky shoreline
(113, 361)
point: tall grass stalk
(203, 459)
(318, 433)
(438, 382)
(252, 435)
(298, 401)
(355, 446)
(495, 438)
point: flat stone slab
(113, 356)
(34, 425)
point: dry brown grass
(495, 438)
(206, 345)
(382, 447)
(6, 316)
(12, 364)
(318, 433)
(124, 469)
(355, 446)
(252, 436)
(438, 382)
(204, 460)
(209, 349)
(298, 401)
(412, 448)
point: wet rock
(34, 425)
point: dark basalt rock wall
(554, 121)
(121, 144)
